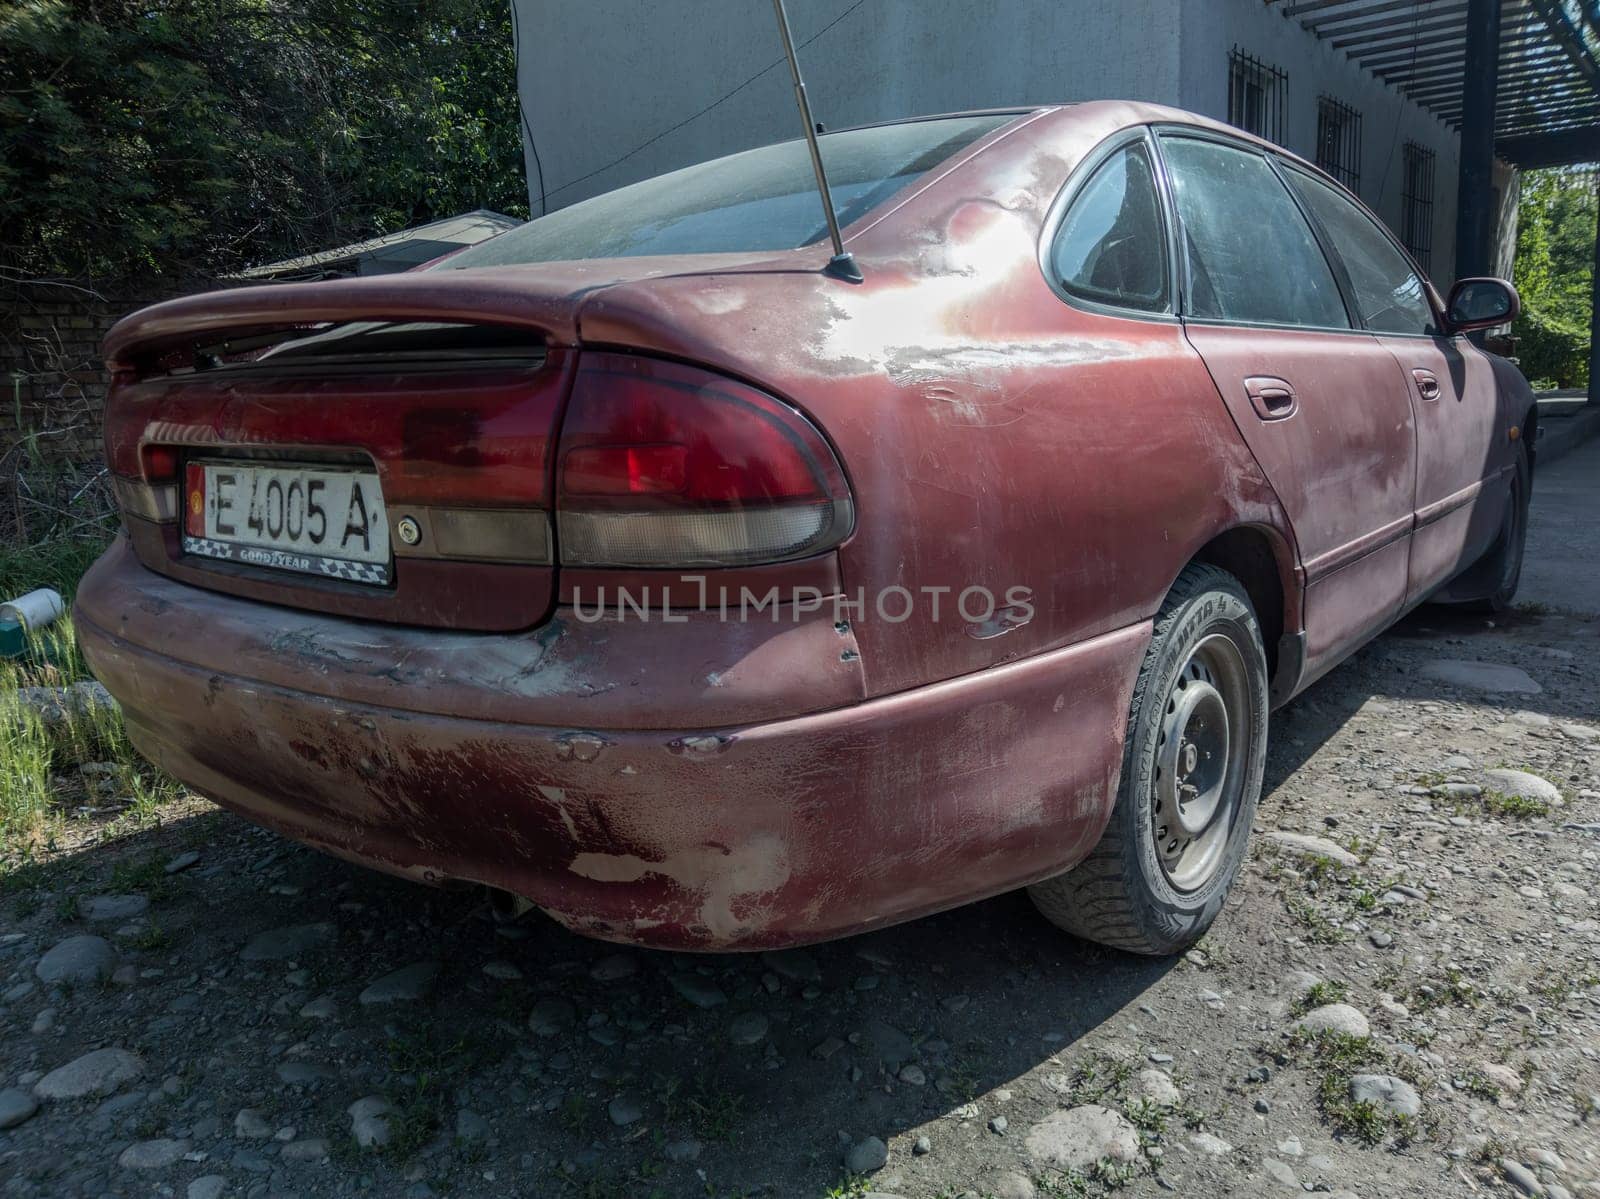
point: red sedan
(639, 565)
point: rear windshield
(764, 199)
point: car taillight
(662, 464)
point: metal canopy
(1547, 99)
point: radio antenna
(843, 263)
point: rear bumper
(759, 833)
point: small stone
(152, 1155)
(796, 965)
(1206, 1143)
(1280, 1172)
(1313, 847)
(999, 1124)
(99, 908)
(182, 861)
(1394, 1095)
(614, 968)
(1156, 1086)
(921, 1146)
(1335, 1017)
(866, 1157)
(1380, 939)
(304, 1074)
(207, 1186)
(369, 1121)
(1011, 1185)
(405, 985)
(502, 970)
(914, 1075)
(827, 1048)
(1521, 1177)
(888, 1044)
(1077, 1138)
(701, 992)
(43, 1021)
(1262, 1106)
(1519, 784)
(549, 1016)
(625, 1110)
(682, 1151)
(308, 1149)
(251, 1125)
(321, 1008)
(280, 944)
(16, 1106)
(471, 1128)
(748, 1029)
(97, 1073)
(82, 959)
(1504, 1078)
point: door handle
(1427, 383)
(1272, 398)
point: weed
(151, 938)
(1514, 807)
(1446, 988)
(1320, 994)
(1477, 1084)
(1149, 1117)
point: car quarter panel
(995, 436)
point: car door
(1314, 398)
(1464, 460)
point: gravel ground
(1402, 999)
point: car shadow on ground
(641, 1069)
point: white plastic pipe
(35, 610)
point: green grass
(58, 562)
(40, 757)
(1514, 807)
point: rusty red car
(642, 567)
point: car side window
(1251, 254)
(1389, 293)
(1112, 245)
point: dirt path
(246, 991)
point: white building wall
(619, 90)
(601, 78)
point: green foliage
(183, 136)
(1555, 263)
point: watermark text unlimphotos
(671, 604)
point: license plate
(327, 521)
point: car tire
(1192, 764)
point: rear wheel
(1191, 778)
(1503, 563)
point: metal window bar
(1417, 204)
(1257, 95)
(1339, 141)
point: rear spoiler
(544, 303)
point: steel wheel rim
(1201, 750)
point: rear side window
(1251, 255)
(1112, 248)
(1389, 292)
(763, 199)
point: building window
(1416, 216)
(1339, 142)
(1257, 94)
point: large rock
(277, 944)
(1523, 785)
(1481, 676)
(1394, 1095)
(404, 985)
(1334, 1017)
(1077, 1138)
(83, 959)
(1313, 847)
(97, 1073)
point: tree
(197, 136)
(1554, 269)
